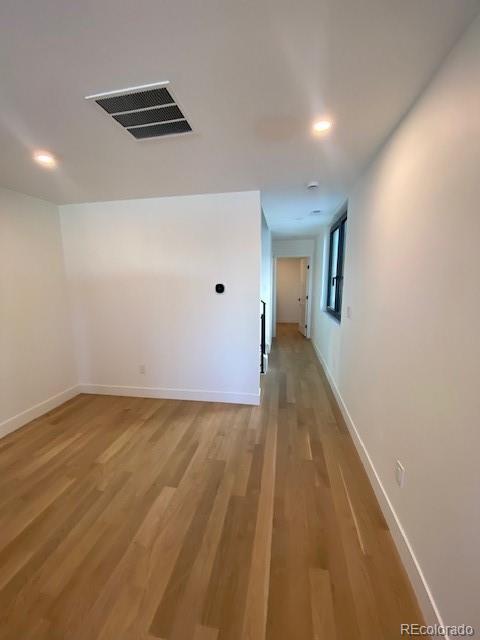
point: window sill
(335, 316)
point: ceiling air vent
(149, 111)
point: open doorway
(292, 284)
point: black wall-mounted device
(219, 288)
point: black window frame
(339, 224)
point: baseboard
(172, 394)
(412, 566)
(38, 410)
(15, 422)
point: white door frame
(308, 313)
(274, 297)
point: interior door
(303, 296)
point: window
(335, 267)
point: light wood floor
(135, 519)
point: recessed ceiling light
(316, 212)
(321, 126)
(313, 184)
(45, 158)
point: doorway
(292, 292)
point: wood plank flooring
(140, 519)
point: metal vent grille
(164, 129)
(145, 113)
(149, 116)
(133, 101)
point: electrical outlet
(142, 369)
(400, 474)
(349, 311)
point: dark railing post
(262, 343)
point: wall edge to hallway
(411, 564)
(172, 394)
(37, 411)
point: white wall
(142, 275)
(407, 363)
(37, 368)
(267, 280)
(293, 247)
(288, 289)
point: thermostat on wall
(219, 288)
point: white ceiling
(251, 75)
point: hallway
(243, 522)
(342, 577)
